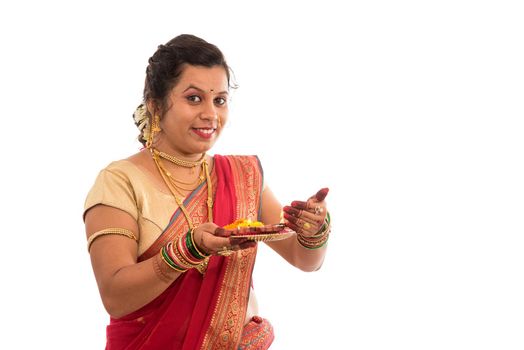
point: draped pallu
(201, 311)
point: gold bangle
(160, 269)
(110, 231)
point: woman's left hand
(307, 218)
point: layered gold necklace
(176, 187)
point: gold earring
(154, 128)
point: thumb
(321, 194)
(222, 232)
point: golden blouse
(125, 186)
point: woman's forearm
(131, 287)
(307, 259)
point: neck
(184, 161)
(161, 145)
(191, 157)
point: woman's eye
(220, 101)
(194, 98)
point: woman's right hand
(215, 240)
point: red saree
(200, 311)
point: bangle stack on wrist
(182, 254)
(319, 239)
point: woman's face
(197, 102)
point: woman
(169, 274)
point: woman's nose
(209, 111)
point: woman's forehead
(206, 78)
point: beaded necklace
(181, 162)
(170, 182)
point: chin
(203, 148)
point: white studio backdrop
(410, 111)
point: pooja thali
(265, 233)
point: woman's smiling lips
(205, 133)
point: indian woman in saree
(169, 274)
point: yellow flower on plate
(243, 223)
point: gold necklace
(174, 191)
(175, 183)
(181, 162)
(180, 184)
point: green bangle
(167, 259)
(192, 246)
(313, 245)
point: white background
(410, 111)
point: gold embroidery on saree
(227, 322)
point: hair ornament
(141, 117)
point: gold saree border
(248, 177)
(227, 322)
(228, 317)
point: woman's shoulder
(114, 186)
(126, 166)
(119, 165)
(120, 168)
